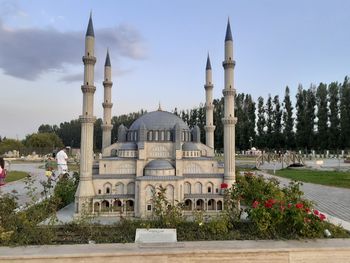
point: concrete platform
(311, 251)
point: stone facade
(158, 149)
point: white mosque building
(158, 149)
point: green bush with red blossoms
(279, 212)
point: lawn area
(331, 178)
(15, 175)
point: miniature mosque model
(158, 149)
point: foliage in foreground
(273, 213)
(281, 212)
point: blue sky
(158, 52)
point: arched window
(198, 188)
(187, 188)
(119, 188)
(131, 188)
(150, 135)
(107, 188)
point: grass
(15, 175)
(330, 178)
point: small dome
(159, 120)
(159, 165)
(189, 146)
(128, 146)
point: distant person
(2, 171)
(61, 158)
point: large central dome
(159, 120)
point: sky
(158, 53)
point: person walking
(2, 171)
(61, 158)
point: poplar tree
(288, 121)
(260, 124)
(345, 113)
(251, 119)
(322, 117)
(300, 117)
(334, 121)
(310, 117)
(269, 122)
(277, 123)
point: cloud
(28, 53)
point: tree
(250, 111)
(70, 133)
(334, 121)
(345, 113)
(10, 145)
(241, 140)
(277, 124)
(219, 128)
(310, 117)
(322, 117)
(288, 121)
(269, 122)
(300, 117)
(261, 123)
(42, 143)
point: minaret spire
(229, 120)
(90, 28)
(85, 190)
(228, 36)
(209, 107)
(208, 67)
(107, 105)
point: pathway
(333, 201)
(37, 174)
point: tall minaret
(209, 124)
(85, 188)
(229, 120)
(107, 105)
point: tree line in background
(319, 120)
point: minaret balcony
(87, 119)
(229, 120)
(107, 127)
(89, 60)
(208, 86)
(229, 92)
(209, 128)
(107, 83)
(88, 88)
(228, 63)
(107, 105)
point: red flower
(322, 217)
(299, 205)
(255, 204)
(316, 212)
(307, 210)
(282, 207)
(289, 205)
(224, 186)
(268, 205)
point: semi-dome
(159, 168)
(159, 165)
(189, 146)
(159, 120)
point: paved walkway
(333, 201)
(36, 173)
